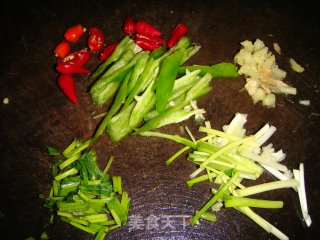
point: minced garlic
(263, 76)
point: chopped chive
(51, 219)
(267, 187)
(44, 236)
(65, 206)
(51, 192)
(83, 196)
(109, 222)
(75, 143)
(56, 186)
(69, 161)
(79, 220)
(125, 201)
(95, 227)
(107, 167)
(117, 184)
(218, 195)
(177, 154)
(80, 148)
(209, 175)
(202, 178)
(52, 151)
(83, 228)
(65, 174)
(232, 201)
(97, 218)
(56, 198)
(64, 214)
(175, 138)
(115, 216)
(190, 134)
(94, 182)
(113, 227)
(209, 217)
(101, 233)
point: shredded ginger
(263, 76)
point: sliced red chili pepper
(151, 38)
(62, 49)
(74, 33)
(107, 51)
(179, 31)
(147, 29)
(73, 62)
(129, 26)
(67, 85)
(70, 69)
(146, 44)
(95, 40)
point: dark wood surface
(38, 114)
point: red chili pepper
(179, 31)
(151, 38)
(62, 49)
(67, 85)
(146, 44)
(74, 33)
(129, 26)
(73, 62)
(147, 29)
(107, 51)
(95, 40)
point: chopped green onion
(107, 167)
(65, 174)
(53, 151)
(177, 154)
(217, 196)
(83, 228)
(267, 187)
(102, 233)
(117, 184)
(209, 217)
(232, 201)
(69, 161)
(97, 218)
(83, 196)
(74, 144)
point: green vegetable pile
(83, 195)
(145, 90)
(227, 158)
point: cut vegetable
(263, 76)
(83, 196)
(147, 90)
(228, 157)
(299, 176)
